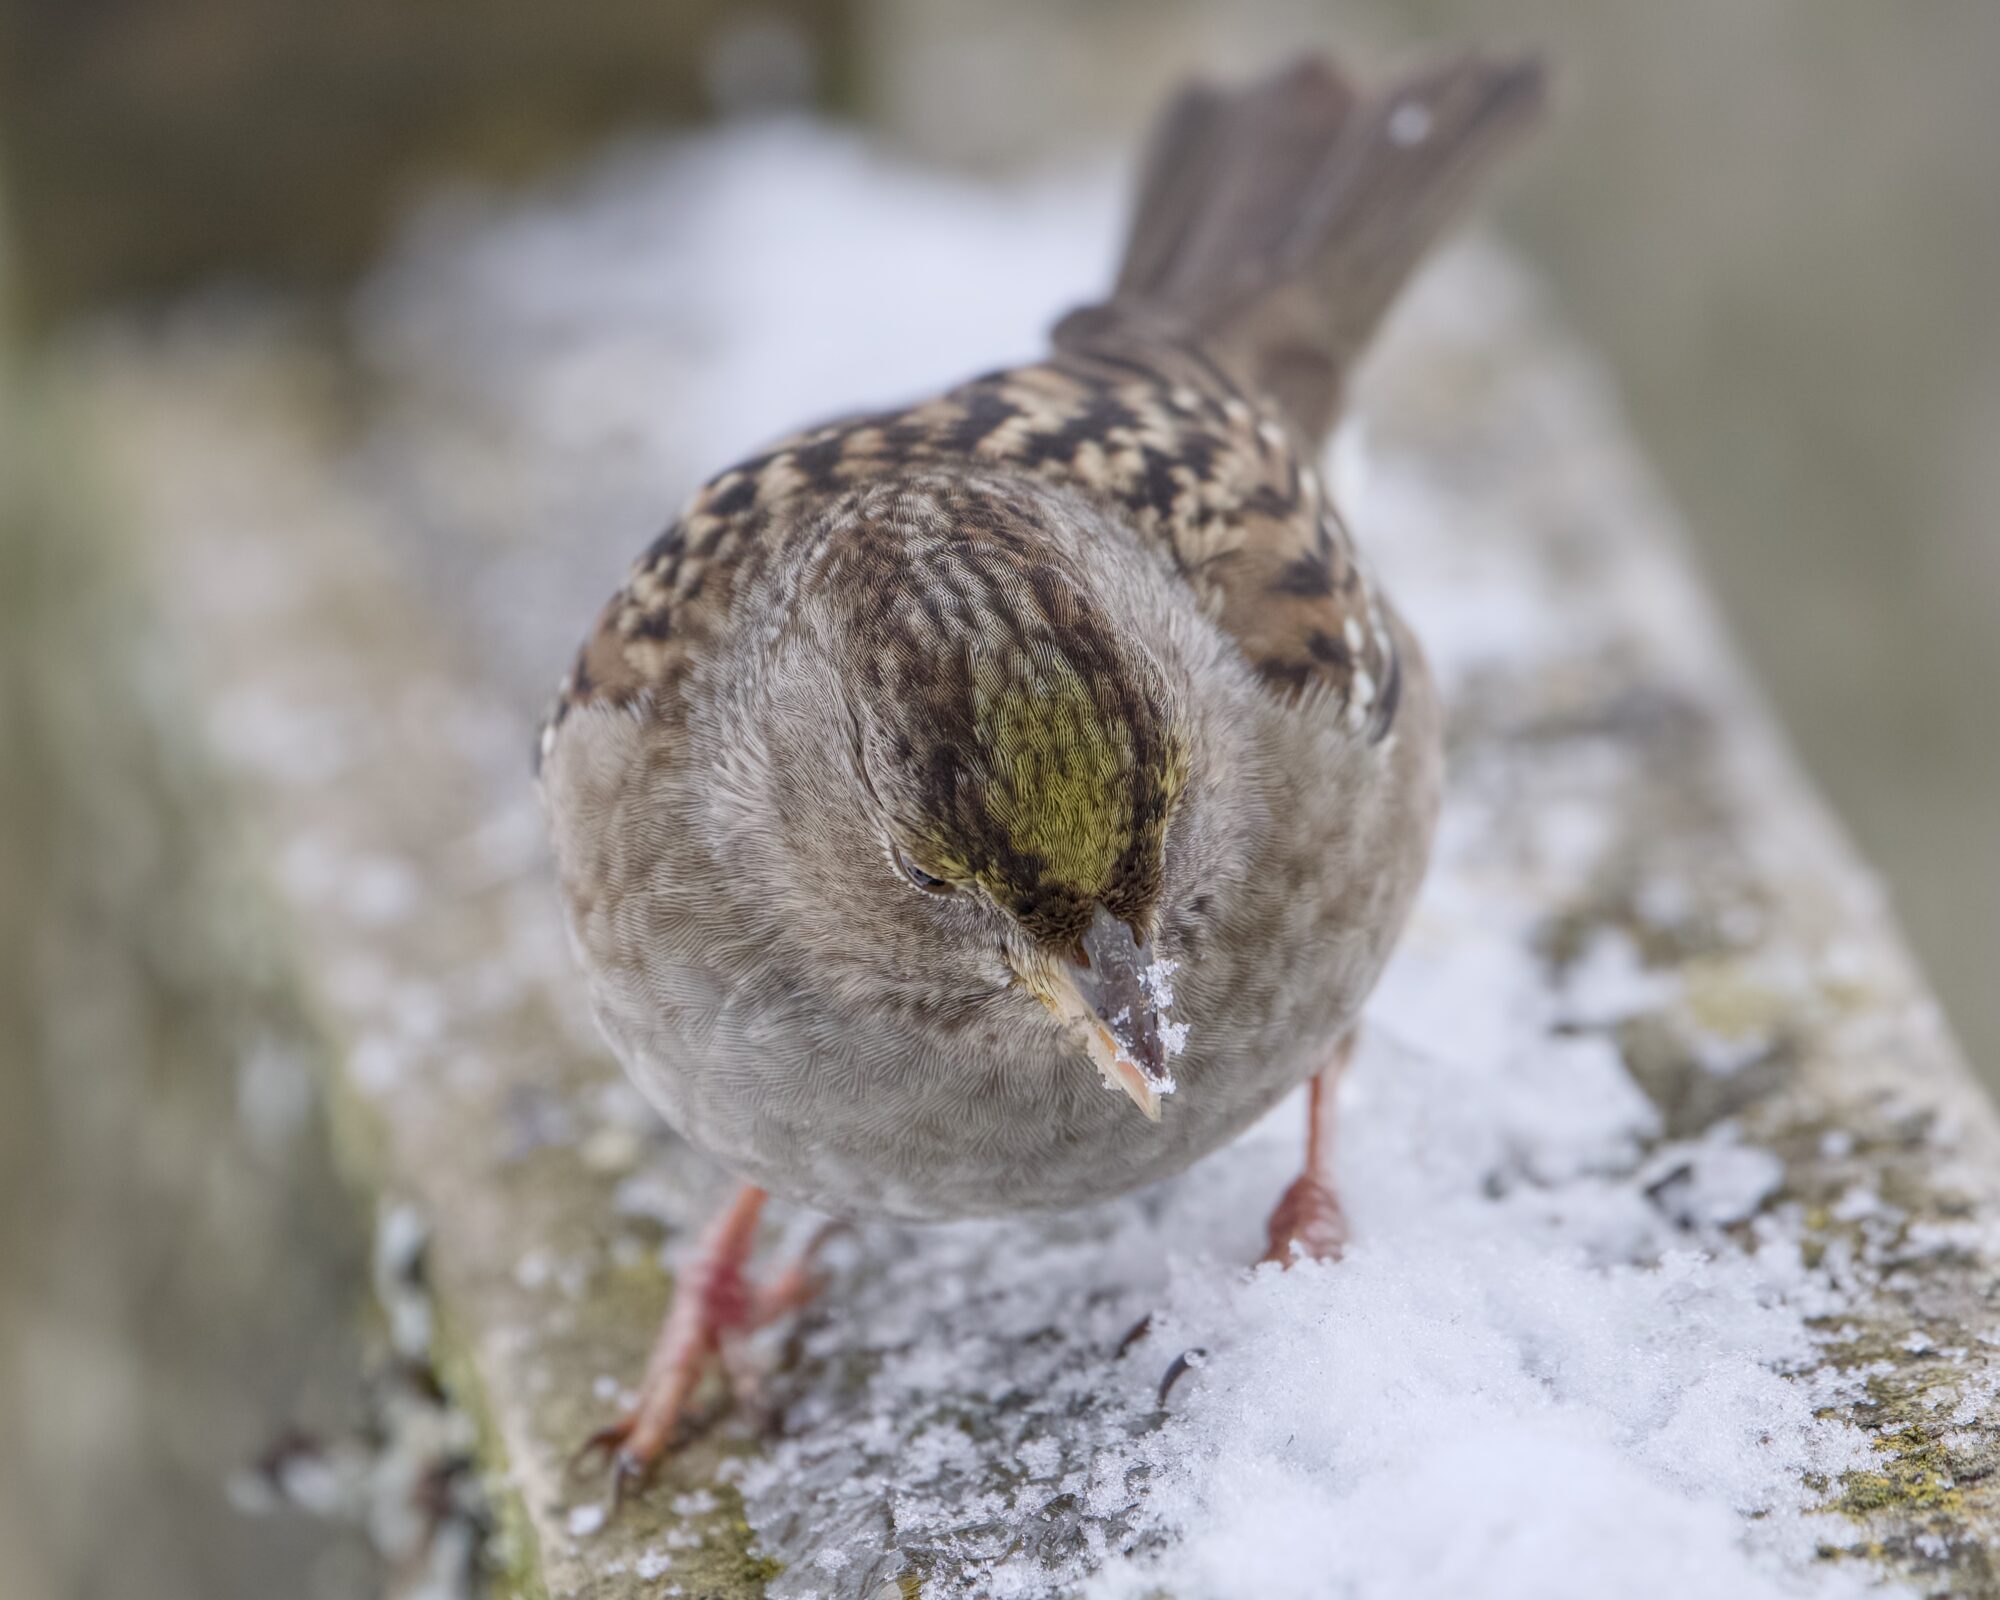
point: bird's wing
(1156, 430)
(1206, 475)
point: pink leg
(795, 1286)
(1308, 1220)
(713, 1305)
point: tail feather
(1224, 178)
(1277, 223)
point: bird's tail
(1277, 222)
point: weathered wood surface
(1618, 788)
(179, 1262)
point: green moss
(1729, 1002)
(1926, 1504)
(512, 1550)
(614, 1321)
(727, 1563)
(1918, 1476)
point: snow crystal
(1609, 982)
(1546, 1366)
(652, 1564)
(1713, 1182)
(1856, 1203)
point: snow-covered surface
(1529, 1377)
(1571, 1351)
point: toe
(604, 1443)
(1182, 1364)
(1133, 1335)
(630, 1473)
(1308, 1222)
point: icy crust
(1672, 1208)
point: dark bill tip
(1113, 982)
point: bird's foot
(1183, 1363)
(715, 1307)
(629, 1465)
(1308, 1223)
(1133, 1335)
(710, 1311)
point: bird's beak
(1116, 993)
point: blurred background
(1778, 222)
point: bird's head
(1018, 760)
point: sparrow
(1000, 802)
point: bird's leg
(796, 1285)
(1308, 1220)
(712, 1303)
(792, 1288)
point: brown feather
(1276, 225)
(1273, 226)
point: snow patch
(1548, 1366)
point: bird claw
(630, 1472)
(1184, 1362)
(712, 1309)
(629, 1477)
(1133, 1335)
(604, 1442)
(1180, 1364)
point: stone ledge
(1642, 922)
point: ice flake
(652, 1564)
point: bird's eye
(916, 874)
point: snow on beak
(1118, 994)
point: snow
(653, 1564)
(1565, 1355)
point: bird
(995, 803)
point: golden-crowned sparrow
(940, 767)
